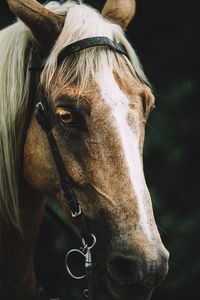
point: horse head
(97, 103)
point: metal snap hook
(93, 243)
(86, 253)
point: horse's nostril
(125, 270)
(128, 270)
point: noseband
(36, 65)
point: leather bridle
(35, 66)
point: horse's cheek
(39, 168)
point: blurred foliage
(165, 36)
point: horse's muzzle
(135, 279)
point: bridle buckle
(76, 213)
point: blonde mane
(81, 22)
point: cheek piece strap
(35, 66)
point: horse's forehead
(114, 89)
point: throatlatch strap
(88, 43)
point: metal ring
(85, 293)
(76, 213)
(93, 243)
(66, 263)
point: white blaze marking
(119, 105)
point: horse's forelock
(84, 65)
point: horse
(95, 102)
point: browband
(88, 43)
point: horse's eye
(65, 116)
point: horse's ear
(43, 23)
(119, 11)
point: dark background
(165, 34)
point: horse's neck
(17, 277)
